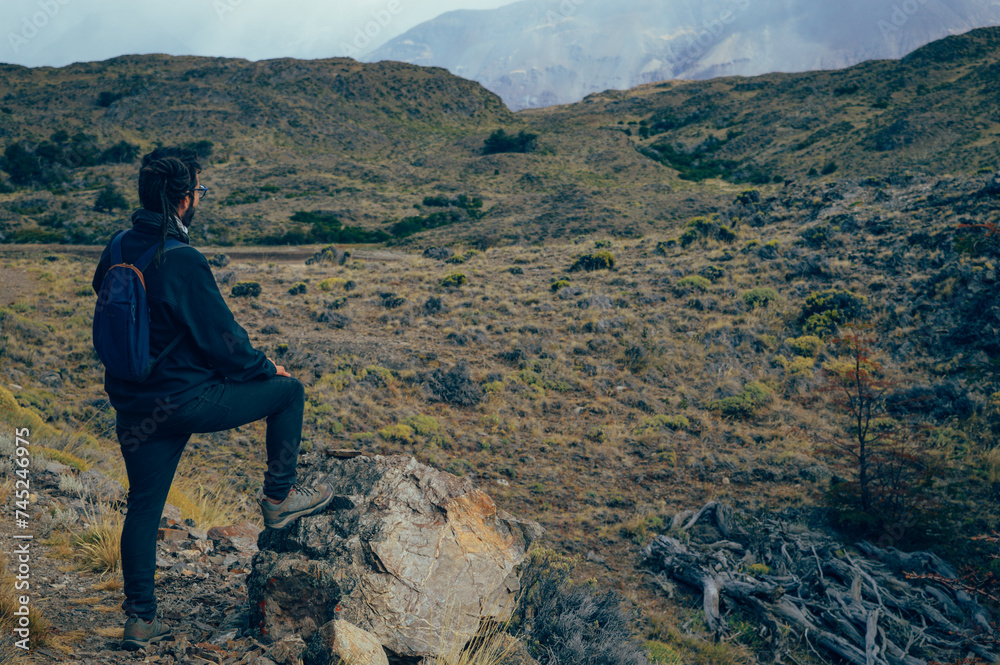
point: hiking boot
(139, 633)
(301, 501)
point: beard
(188, 216)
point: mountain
(543, 52)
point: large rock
(414, 556)
(344, 642)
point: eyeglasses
(202, 191)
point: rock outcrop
(415, 557)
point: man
(210, 379)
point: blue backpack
(121, 316)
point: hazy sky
(58, 32)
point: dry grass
(91, 600)
(492, 646)
(99, 544)
(207, 507)
(65, 642)
(110, 584)
(111, 633)
(40, 630)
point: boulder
(287, 651)
(341, 641)
(414, 556)
(240, 538)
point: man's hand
(281, 370)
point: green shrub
(825, 310)
(663, 245)
(816, 236)
(712, 273)
(761, 296)
(398, 433)
(754, 397)
(661, 421)
(559, 284)
(34, 235)
(807, 345)
(423, 425)
(329, 283)
(455, 279)
(705, 228)
(602, 260)
(501, 141)
(246, 290)
(297, 288)
(693, 283)
(108, 199)
(459, 467)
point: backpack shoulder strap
(147, 258)
(116, 248)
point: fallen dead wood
(799, 583)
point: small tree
(109, 199)
(882, 454)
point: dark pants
(152, 446)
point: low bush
(748, 403)
(565, 622)
(602, 260)
(559, 284)
(501, 141)
(705, 228)
(246, 290)
(330, 283)
(692, 283)
(808, 346)
(660, 422)
(712, 273)
(825, 310)
(297, 288)
(455, 279)
(760, 297)
(453, 386)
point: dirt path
(284, 254)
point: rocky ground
(200, 587)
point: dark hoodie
(182, 296)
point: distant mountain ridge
(543, 52)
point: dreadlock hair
(166, 177)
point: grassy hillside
(368, 143)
